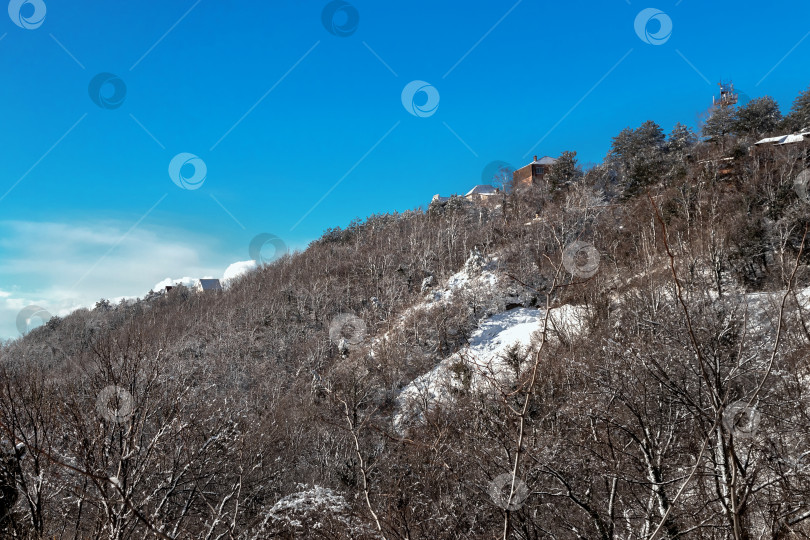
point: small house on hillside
(481, 192)
(793, 138)
(534, 172)
(206, 285)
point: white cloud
(63, 266)
(233, 271)
(189, 282)
(238, 269)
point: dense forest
(664, 394)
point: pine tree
(650, 136)
(799, 117)
(681, 138)
(722, 122)
(564, 172)
(639, 156)
(760, 116)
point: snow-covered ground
(311, 509)
(481, 365)
(483, 362)
(478, 272)
(760, 311)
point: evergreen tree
(639, 156)
(650, 136)
(564, 172)
(799, 117)
(622, 148)
(722, 122)
(760, 116)
(681, 138)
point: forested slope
(664, 392)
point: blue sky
(301, 129)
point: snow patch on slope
(478, 275)
(483, 359)
(478, 272)
(310, 509)
(762, 317)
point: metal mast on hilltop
(728, 98)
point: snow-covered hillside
(482, 364)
